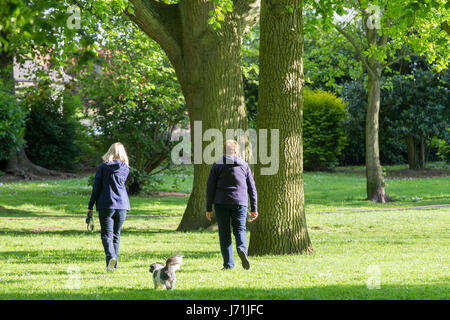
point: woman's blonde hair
(116, 152)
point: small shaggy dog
(165, 274)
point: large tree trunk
(213, 87)
(374, 172)
(207, 63)
(20, 165)
(216, 98)
(281, 225)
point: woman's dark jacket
(109, 190)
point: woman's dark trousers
(111, 221)
(231, 215)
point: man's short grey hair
(231, 147)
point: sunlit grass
(46, 253)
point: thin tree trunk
(281, 225)
(374, 173)
(422, 153)
(412, 156)
(375, 182)
(416, 152)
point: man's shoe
(244, 259)
(227, 268)
(111, 265)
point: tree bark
(20, 165)
(281, 225)
(374, 173)
(208, 65)
(416, 152)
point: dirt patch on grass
(398, 173)
(13, 178)
(168, 194)
(43, 229)
(414, 174)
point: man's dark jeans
(236, 216)
(111, 221)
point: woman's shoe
(244, 259)
(111, 265)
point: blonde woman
(111, 199)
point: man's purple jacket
(230, 181)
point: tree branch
(395, 60)
(357, 48)
(162, 23)
(446, 27)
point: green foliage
(29, 28)
(217, 15)
(392, 147)
(419, 104)
(328, 59)
(409, 26)
(323, 135)
(53, 131)
(415, 103)
(250, 72)
(443, 146)
(12, 123)
(133, 96)
(444, 151)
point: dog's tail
(174, 262)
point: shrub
(140, 107)
(12, 123)
(414, 106)
(444, 151)
(53, 130)
(323, 134)
(392, 146)
(443, 146)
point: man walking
(230, 185)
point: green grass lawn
(45, 252)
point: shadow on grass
(135, 213)
(334, 292)
(46, 231)
(16, 213)
(82, 256)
